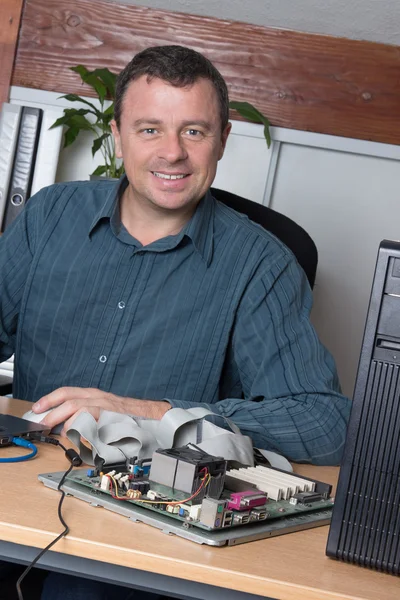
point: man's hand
(68, 402)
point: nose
(172, 148)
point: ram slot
(292, 487)
(264, 479)
(294, 480)
(286, 479)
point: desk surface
(286, 567)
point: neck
(148, 223)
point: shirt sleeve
(16, 251)
(292, 400)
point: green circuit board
(273, 509)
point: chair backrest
(286, 230)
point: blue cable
(25, 444)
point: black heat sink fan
(365, 526)
(184, 468)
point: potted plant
(103, 81)
(76, 120)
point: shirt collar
(110, 206)
(200, 228)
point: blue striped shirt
(217, 315)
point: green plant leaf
(108, 115)
(72, 112)
(98, 86)
(60, 121)
(78, 120)
(81, 70)
(92, 80)
(250, 112)
(267, 135)
(247, 110)
(108, 78)
(119, 171)
(106, 121)
(103, 82)
(116, 172)
(100, 170)
(98, 143)
(70, 136)
(68, 118)
(110, 109)
(76, 98)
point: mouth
(170, 176)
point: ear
(117, 138)
(224, 137)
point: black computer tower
(365, 526)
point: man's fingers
(60, 414)
(67, 409)
(64, 394)
(93, 410)
(66, 402)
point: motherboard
(200, 492)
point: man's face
(170, 139)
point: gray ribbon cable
(116, 437)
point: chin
(177, 202)
(176, 206)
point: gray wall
(376, 20)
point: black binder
(365, 526)
(24, 163)
(9, 125)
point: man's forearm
(151, 409)
(308, 428)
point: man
(148, 294)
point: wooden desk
(105, 545)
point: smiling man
(145, 294)
(171, 139)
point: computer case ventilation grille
(365, 527)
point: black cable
(38, 437)
(75, 461)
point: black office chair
(5, 385)
(289, 232)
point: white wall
(348, 203)
(344, 192)
(376, 20)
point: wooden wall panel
(301, 81)
(10, 13)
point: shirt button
(121, 304)
(103, 358)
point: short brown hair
(177, 65)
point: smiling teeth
(163, 176)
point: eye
(194, 133)
(147, 131)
